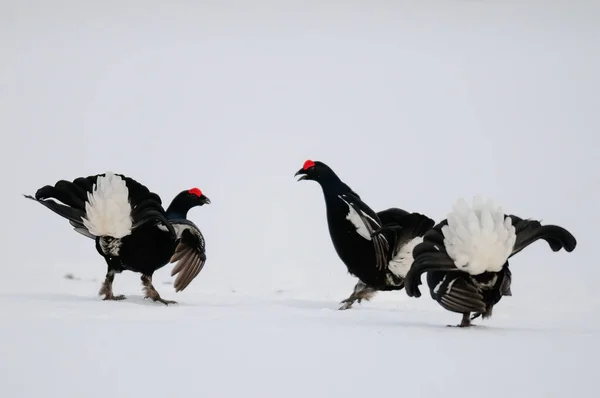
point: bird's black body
(365, 241)
(145, 251)
(458, 291)
(144, 236)
(353, 250)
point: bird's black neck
(333, 186)
(179, 208)
(332, 189)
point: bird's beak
(302, 174)
(206, 201)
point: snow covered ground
(413, 104)
(58, 339)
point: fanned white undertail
(478, 238)
(108, 211)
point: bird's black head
(184, 201)
(316, 171)
(194, 197)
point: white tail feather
(108, 210)
(478, 238)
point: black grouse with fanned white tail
(466, 256)
(376, 247)
(132, 230)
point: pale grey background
(413, 104)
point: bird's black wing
(392, 215)
(400, 227)
(190, 253)
(429, 255)
(371, 222)
(358, 204)
(456, 293)
(406, 225)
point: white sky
(413, 104)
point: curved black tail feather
(529, 231)
(74, 215)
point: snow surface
(60, 340)
(413, 104)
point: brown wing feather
(189, 255)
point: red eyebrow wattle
(308, 164)
(195, 191)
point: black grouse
(466, 256)
(132, 230)
(375, 247)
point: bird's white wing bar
(365, 226)
(363, 222)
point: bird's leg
(106, 288)
(361, 292)
(465, 322)
(151, 292)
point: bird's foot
(161, 300)
(113, 297)
(346, 304)
(106, 289)
(361, 292)
(151, 292)
(464, 323)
